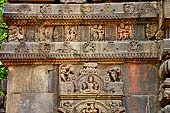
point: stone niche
(86, 89)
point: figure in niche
(90, 108)
(71, 33)
(124, 32)
(15, 33)
(114, 75)
(90, 86)
(97, 33)
(66, 73)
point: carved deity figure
(90, 86)
(97, 33)
(124, 32)
(114, 75)
(66, 73)
(45, 34)
(15, 33)
(90, 108)
(71, 33)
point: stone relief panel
(97, 33)
(58, 34)
(150, 31)
(124, 32)
(73, 1)
(147, 10)
(86, 8)
(129, 7)
(31, 33)
(16, 33)
(45, 9)
(88, 80)
(45, 33)
(71, 33)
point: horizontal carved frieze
(81, 11)
(71, 50)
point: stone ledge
(79, 11)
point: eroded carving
(15, 33)
(65, 9)
(22, 48)
(116, 106)
(124, 32)
(67, 48)
(44, 48)
(129, 7)
(108, 9)
(148, 9)
(66, 73)
(150, 30)
(87, 8)
(97, 33)
(45, 33)
(71, 33)
(110, 47)
(133, 46)
(73, 1)
(45, 9)
(89, 47)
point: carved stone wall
(78, 57)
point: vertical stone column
(29, 89)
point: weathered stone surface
(141, 104)
(140, 79)
(30, 103)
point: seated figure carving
(90, 86)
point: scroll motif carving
(87, 8)
(66, 73)
(97, 33)
(107, 9)
(71, 33)
(45, 9)
(67, 48)
(124, 32)
(129, 7)
(89, 47)
(133, 46)
(22, 48)
(16, 33)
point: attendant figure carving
(114, 75)
(97, 33)
(124, 32)
(67, 73)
